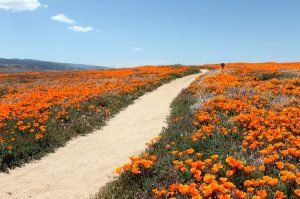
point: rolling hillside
(23, 65)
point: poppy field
(234, 133)
(40, 111)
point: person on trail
(222, 65)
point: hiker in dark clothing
(222, 65)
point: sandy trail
(86, 163)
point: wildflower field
(40, 111)
(234, 133)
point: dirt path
(86, 163)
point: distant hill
(24, 65)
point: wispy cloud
(19, 5)
(62, 18)
(137, 49)
(81, 29)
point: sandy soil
(86, 163)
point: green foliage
(2, 91)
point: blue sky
(138, 32)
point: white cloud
(19, 5)
(45, 6)
(80, 28)
(137, 49)
(62, 18)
